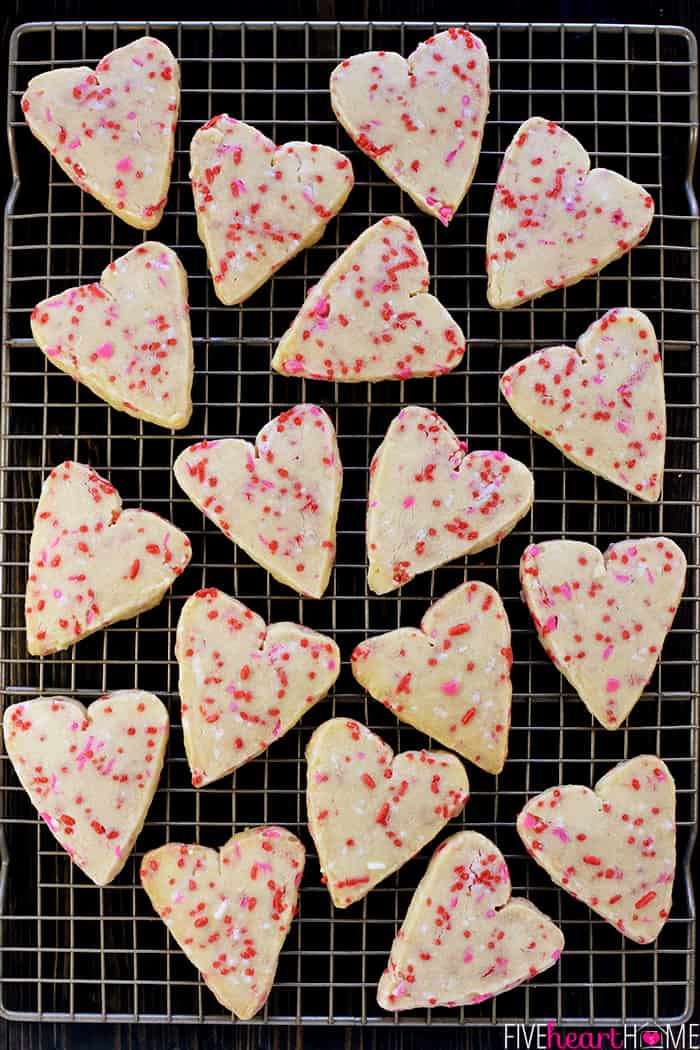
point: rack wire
(72, 951)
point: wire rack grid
(72, 951)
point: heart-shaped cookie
(127, 338)
(243, 684)
(370, 811)
(603, 618)
(91, 773)
(464, 938)
(258, 205)
(614, 847)
(422, 119)
(370, 316)
(277, 499)
(553, 221)
(451, 678)
(230, 909)
(92, 563)
(429, 501)
(112, 129)
(601, 404)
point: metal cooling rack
(71, 951)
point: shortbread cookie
(90, 772)
(602, 404)
(464, 938)
(603, 618)
(243, 684)
(553, 221)
(422, 119)
(230, 909)
(370, 316)
(277, 499)
(127, 338)
(112, 129)
(92, 563)
(370, 811)
(614, 847)
(258, 205)
(430, 501)
(451, 678)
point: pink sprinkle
(621, 578)
(468, 957)
(53, 351)
(450, 688)
(622, 426)
(408, 502)
(612, 685)
(293, 366)
(82, 758)
(106, 350)
(561, 834)
(550, 625)
(131, 115)
(124, 164)
(566, 591)
(529, 820)
(270, 833)
(445, 214)
(606, 652)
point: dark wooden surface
(27, 1036)
(179, 1037)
